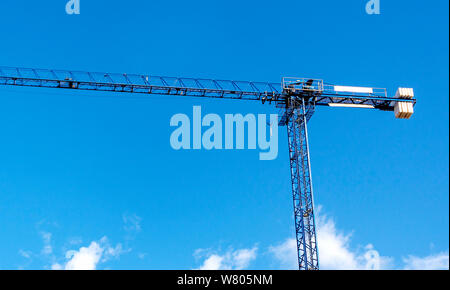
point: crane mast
(296, 97)
(302, 191)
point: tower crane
(297, 98)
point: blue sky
(91, 177)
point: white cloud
(57, 266)
(334, 250)
(242, 258)
(142, 255)
(433, 262)
(25, 254)
(47, 238)
(85, 258)
(213, 262)
(75, 241)
(231, 260)
(132, 223)
(336, 253)
(286, 254)
(88, 258)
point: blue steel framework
(302, 191)
(296, 97)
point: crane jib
(321, 94)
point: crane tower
(297, 98)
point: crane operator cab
(302, 85)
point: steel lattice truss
(144, 84)
(302, 190)
(296, 97)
